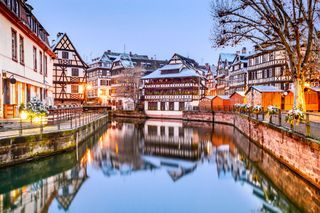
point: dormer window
(173, 71)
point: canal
(158, 166)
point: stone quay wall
(305, 195)
(299, 153)
(17, 150)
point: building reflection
(176, 147)
(38, 196)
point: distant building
(269, 68)
(224, 61)
(70, 72)
(26, 59)
(211, 82)
(237, 76)
(99, 77)
(177, 86)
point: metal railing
(309, 126)
(65, 118)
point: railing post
(20, 130)
(308, 127)
(280, 117)
(41, 125)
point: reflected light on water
(179, 167)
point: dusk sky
(152, 27)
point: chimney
(244, 50)
(109, 51)
(130, 53)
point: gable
(64, 44)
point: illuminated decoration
(24, 115)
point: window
(264, 58)
(35, 59)
(162, 131)
(103, 92)
(65, 55)
(171, 131)
(74, 89)
(181, 106)
(75, 72)
(14, 45)
(152, 130)
(153, 106)
(104, 73)
(41, 62)
(171, 106)
(21, 49)
(45, 65)
(104, 83)
(163, 106)
(181, 132)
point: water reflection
(182, 151)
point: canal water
(158, 166)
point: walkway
(12, 127)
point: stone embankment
(16, 150)
(299, 153)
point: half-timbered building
(70, 73)
(99, 77)
(224, 62)
(25, 58)
(269, 68)
(121, 68)
(237, 76)
(211, 82)
(177, 86)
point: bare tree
(130, 81)
(288, 25)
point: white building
(26, 59)
(69, 73)
(176, 87)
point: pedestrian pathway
(12, 128)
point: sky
(158, 28)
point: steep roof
(185, 68)
(261, 88)
(63, 42)
(125, 60)
(227, 57)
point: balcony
(270, 80)
(264, 65)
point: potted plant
(272, 110)
(294, 115)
